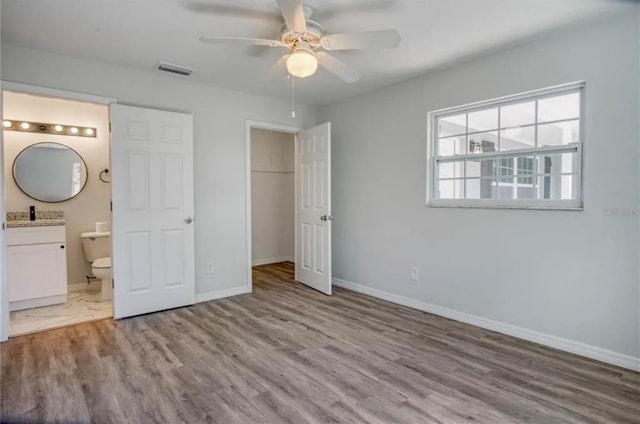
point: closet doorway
(289, 201)
(272, 197)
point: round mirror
(50, 172)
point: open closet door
(152, 195)
(313, 207)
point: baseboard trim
(219, 294)
(19, 305)
(268, 261)
(578, 348)
(94, 285)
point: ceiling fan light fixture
(302, 64)
(304, 38)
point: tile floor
(81, 306)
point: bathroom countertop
(20, 219)
(37, 223)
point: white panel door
(313, 207)
(152, 194)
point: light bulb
(74, 130)
(88, 131)
(58, 128)
(7, 124)
(25, 125)
(302, 64)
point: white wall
(572, 275)
(272, 196)
(219, 149)
(92, 203)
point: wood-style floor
(289, 354)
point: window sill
(569, 208)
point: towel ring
(101, 176)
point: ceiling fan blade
(279, 68)
(335, 66)
(362, 40)
(241, 40)
(293, 14)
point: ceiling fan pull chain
(293, 96)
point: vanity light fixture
(45, 128)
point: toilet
(97, 251)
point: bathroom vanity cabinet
(37, 266)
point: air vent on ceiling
(181, 70)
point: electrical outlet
(210, 268)
(415, 274)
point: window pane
(483, 120)
(518, 114)
(559, 163)
(480, 188)
(560, 107)
(483, 142)
(504, 170)
(515, 177)
(517, 138)
(526, 192)
(480, 168)
(452, 125)
(525, 170)
(451, 170)
(450, 189)
(558, 187)
(452, 146)
(473, 189)
(559, 134)
(515, 170)
(505, 191)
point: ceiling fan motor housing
(312, 36)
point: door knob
(326, 218)
(188, 220)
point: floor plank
(288, 354)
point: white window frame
(578, 148)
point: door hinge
(111, 206)
(113, 284)
(109, 127)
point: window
(521, 151)
(76, 178)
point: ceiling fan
(308, 44)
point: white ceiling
(139, 33)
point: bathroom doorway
(57, 203)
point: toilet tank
(96, 245)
